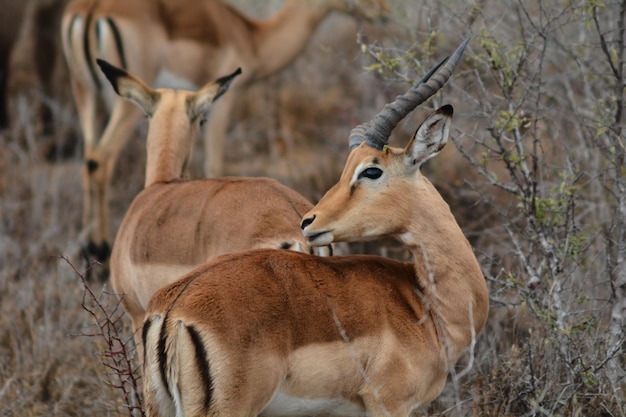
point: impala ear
(224, 82)
(430, 137)
(208, 94)
(130, 87)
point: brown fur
(301, 301)
(195, 40)
(216, 216)
(171, 228)
(174, 225)
(359, 335)
(182, 21)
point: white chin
(322, 240)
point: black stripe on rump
(118, 42)
(202, 362)
(162, 356)
(144, 337)
(88, 57)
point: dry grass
(294, 128)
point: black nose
(307, 222)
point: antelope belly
(284, 405)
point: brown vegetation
(537, 182)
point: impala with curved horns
(175, 225)
(283, 333)
(170, 43)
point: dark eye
(202, 121)
(371, 173)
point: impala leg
(97, 202)
(246, 385)
(215, 134)
(375, 408)
(100, 166)
(86, 107)
(389, 393)
(231, 385)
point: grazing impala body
(175, 225)
(174, 43)
(275, 333)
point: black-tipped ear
(225, 82)
(111, 72)
(130, 87)
(446, 110)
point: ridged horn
(376, 132)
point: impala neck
(167, 158)
(447, 270)
(283, 37)
(163, 166)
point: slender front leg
(99, 168)
(86, 107)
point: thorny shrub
(542, 129)
(115, 343)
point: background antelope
(169, 43)
(283, 333)
(43, 18)
(174, 224)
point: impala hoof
(96, 253)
